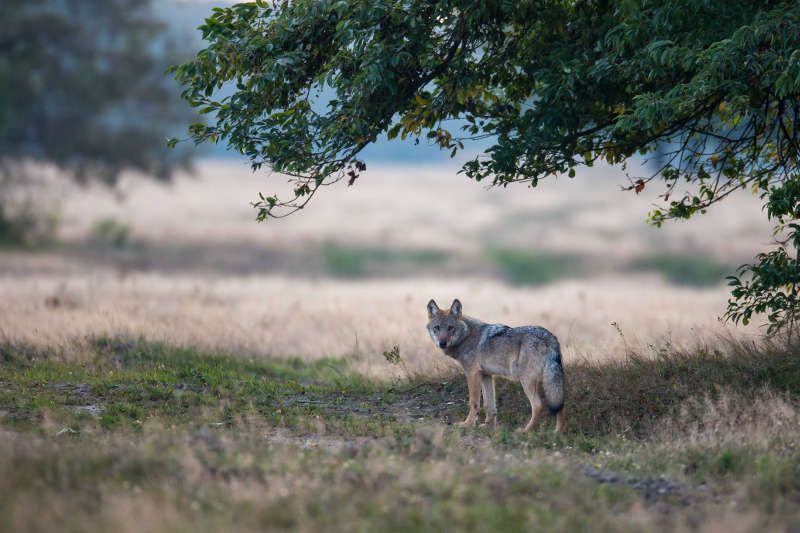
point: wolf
(529, 354)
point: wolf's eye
(436, 329)
(450, 329)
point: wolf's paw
(489, 423)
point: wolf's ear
(432, 309)
(455, 309)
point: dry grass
(169, 482)
(279, 316)
(200, 442)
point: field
(168, 364)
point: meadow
(168, 364)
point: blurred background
(106, 231)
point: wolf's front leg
(474, 386)
(487, 384)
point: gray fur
(432, 309)
(529, 354)
(553, 381)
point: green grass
(134, 379)
(523, 267)
(356, 262)
(182, 439)
(110, 232)
(684, 269)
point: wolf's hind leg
(537, 406)
(560, 421)
(487, 384)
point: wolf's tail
(553, 380)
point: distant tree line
(82, 87)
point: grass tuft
(523, 267)
(684, 269)
(357, 262)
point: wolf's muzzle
(442, 344)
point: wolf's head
(447, 328)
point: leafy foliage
(773, 284)
(713, 86)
